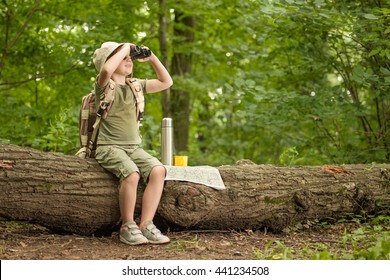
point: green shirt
(121, 125)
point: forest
(287, 82)
(287, 88)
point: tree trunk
(275, 197)
(181, 68)
(64, 193)
(163, 18)
(69, 194)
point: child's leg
(128, 197)
(129, 232)
(152, 194)
(116, 160)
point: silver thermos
(167, 141)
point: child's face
(125, 67)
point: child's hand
(145, 58)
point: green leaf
(385, 71)
(370, 16)
(374, 52)
(358, 74)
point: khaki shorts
(125, 160)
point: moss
(275, 200)
(48, 186)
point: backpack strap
(107, 98)
(84, 122)
(137, 89)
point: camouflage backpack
(90, 118)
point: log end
(184, 203)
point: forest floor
(24, 241)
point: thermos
(167, 141)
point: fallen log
(69, 194)
(275, 197)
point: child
(118, 145)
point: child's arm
(163, 80)
(112, 64)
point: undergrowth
(369, 240)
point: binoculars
(137, 52)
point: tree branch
(17, 36)
(38, 77)
(24, 25)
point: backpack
(90, 118)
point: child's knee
(131, 179)
(158, 171)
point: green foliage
(369, 241)
(183, 244)
(288, 156)
(274, 250)
(286, 82)
(57, 138)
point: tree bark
(69, 194)
(276, 197)
(163, 18)
(181, 68)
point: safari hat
(100, 55)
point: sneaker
(153, 234)
(131, 235)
